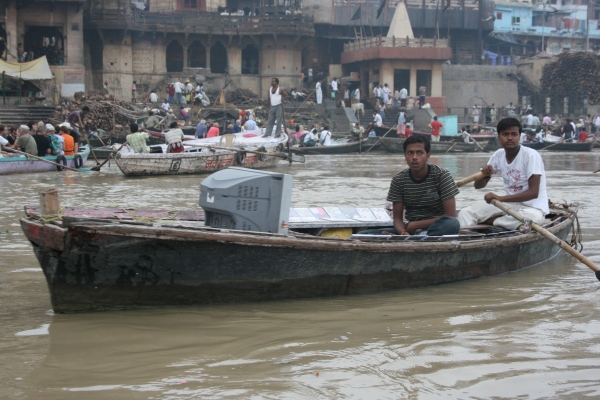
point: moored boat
(336, 147)
(196, 160)
(395, 145)
(118, 259)
(560, 146)
(22, 164)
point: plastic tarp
(32, 70)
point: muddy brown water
(529, 334)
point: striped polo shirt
(422, 199)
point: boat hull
(350, 147)
(395, 145)
(22, 165)
(554, 146)
(107, 266)
(190, 163)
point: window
(516, 20)
(190, 4)
(499, 15)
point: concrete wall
(468, 85)
(532, 69)
(321, 10)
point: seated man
(522, 171)
(310, 139)
(424, 194)
(137, 140)
(174, 138)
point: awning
(32, 70)
(506, 37)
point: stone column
(185, 55)
(12, 37)
(412, 91)
(208, 47)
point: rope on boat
(576, 241)
(53, 217)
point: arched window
(250, 60)
(174, 57)
(218, 58)
(197, 55)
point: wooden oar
(378, 138)
(598, 170)
(469, 179)
(97, 167)
(554, 144)
(39, 158)
(281, 155)
(481, 148)
(548, 235)
(450, 148)
(87, 140)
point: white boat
(20, 164)
(196, 159)
(248, 138)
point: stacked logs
(101, 111)
(574, 73)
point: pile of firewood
(574, 73)
(106, 113)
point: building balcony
(200, 22)
(396, 48)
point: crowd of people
(42, 139)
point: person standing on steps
(319, 92)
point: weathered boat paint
(103, 265)
(23, 165)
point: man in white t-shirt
(276, 96)
(522, 171)
(325, 136)
(334, 88)
(179, 88)
(377, 120)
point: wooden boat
(558, 146)
(394, 145)
(109, 259)
(23, 165)
(336, 147)
(196, 160)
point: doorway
(424, 79)
(402, 79)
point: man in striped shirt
(424, 194)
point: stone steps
(19, 115)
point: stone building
(199, 40)
(54, 28)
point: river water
(528, 334)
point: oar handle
(470, 179)
(548, 235)
(39, 158)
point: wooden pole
(469, 179)
(49, 202)
(548, 235)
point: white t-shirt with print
(516, 174)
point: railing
(208, 21)
(454, 5)
(380, 41)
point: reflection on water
(532, 333)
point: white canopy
(32, 70)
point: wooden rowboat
(336, 147)
(196, 160)
(395, 145)
(557, 146)
(119, 259)
(24, 165)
